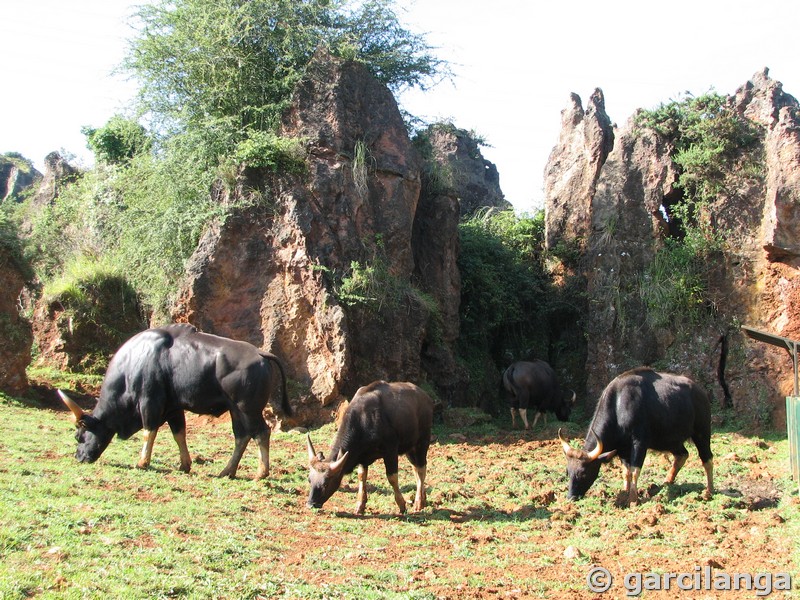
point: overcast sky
(515, 65)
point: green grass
(497, 525)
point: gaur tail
(727, 399)
(285, 406)
(506, 380)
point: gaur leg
(625, 478)
(177, 424)
(153, 407)
(390, 461)
(242, 439)
(702, 441)
(361, 496)
(263, 454)
(678, 460)
(514, 410)
(638, 453)
(536, 418)
(233, 464)
(147, 448)
(709, 468)
(522, 397)
(631, 481)
(421, 497)
(523, 412)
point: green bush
(713, 147)
(118, 141)
(507, 300)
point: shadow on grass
(472, 514)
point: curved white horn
(598, 450)
(564, 444)
(574, 397)
(77, 412)
(311, 454)
(339, 462)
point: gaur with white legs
(160, 372)
(383, 420)
(640, 410)
(535, 385)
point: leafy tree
(118, 141)
(224, 69)
(503, 288)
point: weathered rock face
(15, 332)
(69, 339)
(626, 229)
(57, 174)
(16, 175)
(573, 168)
(272, 272)
(462, 172)
(755, 280)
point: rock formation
(461, 171)
(57, 174)
(619, 203)
(15, 332)
(17, 174)
(275, 271)
(573, 168)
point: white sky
(516, 63)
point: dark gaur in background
(640, 410)
(159, 373)
(535, 385)
(383, 420)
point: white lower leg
(361, 496)
(421, 499)
(147, 448)
(186, 459)
(398, 496)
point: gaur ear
(607, 456)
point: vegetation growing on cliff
(714, 147)
(214, 79)
(511, 309)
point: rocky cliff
(460, 170)
(619, 206)
(15, 332)
(346, 271)
(17, 174)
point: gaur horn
(339, 462)
(311, 454)
(564, 444)
(598, 450)
(77, 412)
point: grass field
(498, 524)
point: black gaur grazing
(159, 373)
(535, 385)
(384, 420)
(637, 411)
